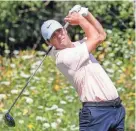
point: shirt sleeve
(83, 40)
(74, 58)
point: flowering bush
(50, 102)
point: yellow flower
(25, 111)
(9, 73)
(121, 79)
(104, 44)
(132, 94)
(129, 42)
(130, 108)
(30, 126)
(1, 109)
(57, 80)
(1, 105)
(101, 56)
(56, 87)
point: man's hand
(91, 19)
(74, 18)
(76, 8)
(82, 10)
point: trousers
(102, 118)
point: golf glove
(76, 8)
(82, 10)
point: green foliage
(21, 23)
(112, 14)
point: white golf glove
(82, 10)
(76, 8)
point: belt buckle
(117, 102)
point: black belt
(113, 103)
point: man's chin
(63, 45)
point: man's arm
(93, 36)
(97, 25)
(84, 12)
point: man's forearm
(93, 36)
(89, 29)
(95, 23)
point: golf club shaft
(66, 25)
(30, 79)
(49, 49)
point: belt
(110, 103)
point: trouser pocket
(84, 117)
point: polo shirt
(85, 73)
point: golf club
(7, 117)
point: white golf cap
(49, 27)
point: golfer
(102, 109)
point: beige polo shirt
(85, 73)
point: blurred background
(49, 102)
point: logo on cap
(49, 25)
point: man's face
(60, 39)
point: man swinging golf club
(102, 109)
